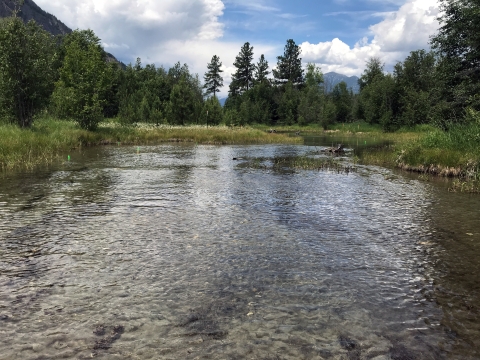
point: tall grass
(458, 148)
(49, 139)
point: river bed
(180, 252)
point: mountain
(31, 11)
(333, 78)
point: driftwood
(336, 150)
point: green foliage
(377, 101)
(329, 114)
(183, 107)
(231, 117)
(288, 105)
(289, 66)
(343, 100)
(312, 98)
(314, 76)
(27, 74)
(374, 69)
(457, 45)
(212, 112)
(84, 80)
(415, 80)
(213, 78)
(242, 79)
(261, 70)
(144, 92)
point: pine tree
(243, 77)
(289, 66)
(261, 70)
(213, 79)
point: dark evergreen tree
(289, 66)
(183, 106)
(261, 70)
(243, 76)
(212, 112)
(213, 78)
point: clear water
(179, 252)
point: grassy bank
(50, 139)
(285, 163)
(423, 149)
(428, 150)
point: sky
(337, 35)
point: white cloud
(161, 32)
(400, 32)
(139, 25)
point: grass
(422, 149)
(283, 163)
(49, 139)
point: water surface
(179, 252)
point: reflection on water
(179, 252)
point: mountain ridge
(333, 78)
(31, 11)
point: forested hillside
(31, 11)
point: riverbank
(423, 149)
(50, 140)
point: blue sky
(337, 35)
(276, 20)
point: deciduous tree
(27, 74)
(84, 80)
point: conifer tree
(261, 70)
(289, 66)
(213, 79)
(243, 77)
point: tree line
(69, 77)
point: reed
(49, 139)
(303, 162)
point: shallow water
(178, 252)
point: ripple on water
(178, 253)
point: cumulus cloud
(161, 32)
(135, 25)
(392, 39)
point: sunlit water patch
(179, 252)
